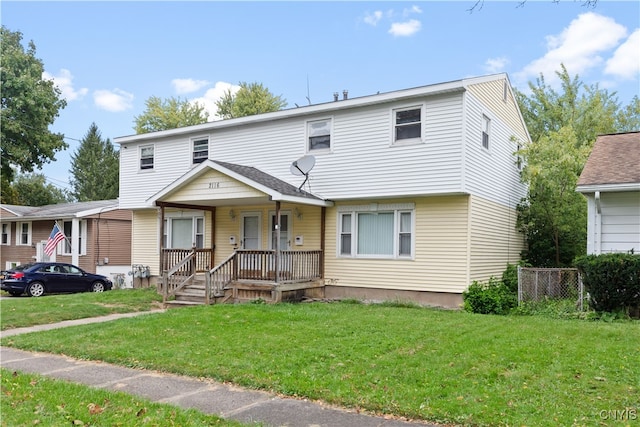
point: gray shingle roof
(267, 180)
(615, 159)
(60, 210)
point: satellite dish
(302, 167)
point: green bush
(492, 297)
(612, 281)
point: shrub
(612, 280)
(493, 297)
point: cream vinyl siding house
(412, 193)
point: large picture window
(82, 238)
(183, 233)
(384, 231)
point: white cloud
(182, 86)
(495, 65)
(64, 81)
(625, 62)
(113, 100)
(373, 18)
(413, 9)
(208, 101)
(405, 29)
(578, 47)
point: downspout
(597, 225)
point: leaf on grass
(141, 412)
(94, 409)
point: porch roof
(58, 211)
(270, 187)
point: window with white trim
(146, 157)
(23, 234)
(82, 237)
(183, 232)
(6, 234)
(486, 127)
(407, 124)
(385, 231)
(319, 134)
(200, 149)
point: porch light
(232, 214)
(297, 213)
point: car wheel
(36, 289)
(97, 287)
(15, 293)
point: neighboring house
(98, 236)
(610, 181)
(413, 194)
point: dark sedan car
(41, 278)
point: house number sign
(214, 185)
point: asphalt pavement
(207, 396)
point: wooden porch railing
(180, 267)
(270, 266)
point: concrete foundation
(435, 299)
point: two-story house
(407, 195)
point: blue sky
(109, 57)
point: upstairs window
(23, 233)
(407, 124)
(200, 150)
(6, 234)
(146, 157)
(319, 134)
(486, 127)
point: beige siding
(144, 242)
(212, 185)
(491, 94)
(495, 241)
(440, 263)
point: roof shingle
(615, 159)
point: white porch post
(75, 238)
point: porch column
(75, 239)
(277, 253)
(161, 263)
(323, 225)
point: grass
(36, 400)
(435, 365)
(17, 312)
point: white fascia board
(302, 200)
(634, 186)
(453, 86)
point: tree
(563, 126)
(170, 113)
(33, 190)
(250, 99)
(95, 168)
(29, 105)
(628, 119)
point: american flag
(54, 238)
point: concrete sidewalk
(206, 396)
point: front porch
(246, 275)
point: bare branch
(477, 5)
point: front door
(251, 231)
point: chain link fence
(541, 284)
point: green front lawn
(436, 365)
(18, 312)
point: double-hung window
(200, 150)
(376, 231)
(146, 157)
(319, 134)
(6, 234)
(407, 124)
(183, 232)
(23, 234)
(486, 127)
(82, 237)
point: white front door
(251, 231)
(41, 255)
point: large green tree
(95, 168)
(250, 99)
(33, 190)
(30, 105)
(171, 113)
(563, 125)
